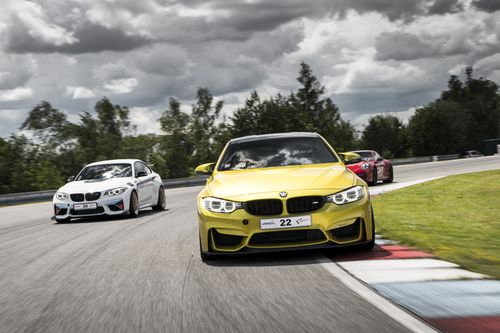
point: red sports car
(372, 167)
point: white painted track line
(397, 186)
(401, 316)
(363, 265)
(414, 275)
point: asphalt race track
(145, 275)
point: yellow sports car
(282, 191)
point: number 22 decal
(285, 222)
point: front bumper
(363, 174)
(116, 205)
(240, 232)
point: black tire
(66, 220)
(390, 179)
(160, 205)
(133, 210)
(374, 177)
(369, 246)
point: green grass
(457, 218)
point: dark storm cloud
(140, 53)
(397, 9)
(89, 38)
(266, 16)
(441, 7)
(404, 46)
(489, 6)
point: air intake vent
(348, 232)
(287, 237)
(223, 240)
(97, 210)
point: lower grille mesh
(98, 210)
(287, 237)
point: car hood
(238, 183)
(98, 185)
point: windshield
(365, 155)
(105, 171)
(276, 152)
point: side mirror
(205, 169)
(141, 174)
(350, 158)
(71, 178)
(380, 159)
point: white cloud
(34, 18)
(488, 64)
(79, 92)
(17, 94)
(140, 53)
(146, 119)
(365, 74)
(121, 86)
(16, 71)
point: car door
(145, 184)
(380, 165)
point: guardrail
(423, 159)
(38, 196)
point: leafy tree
(304, 110)
(245, 120)
(438, 128)
(202, 129)
(176, 145)
(480, 100)
(385, 134)
(17, 156)
(48, 124)
(112, 122)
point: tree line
(466, 113)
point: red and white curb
(440, 292)
(450, 298)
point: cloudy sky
(373, 56)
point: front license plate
(91, 205)
(286, 222)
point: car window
(365, 155)
(276, 152)
(147, 168)
(141, 167)
(105, 171)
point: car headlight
(62, 196)
(220, 206)
(347, 196)
(365, 166)
(115, 191)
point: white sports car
(110, 187)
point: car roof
(250, 138)
(119, 161)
